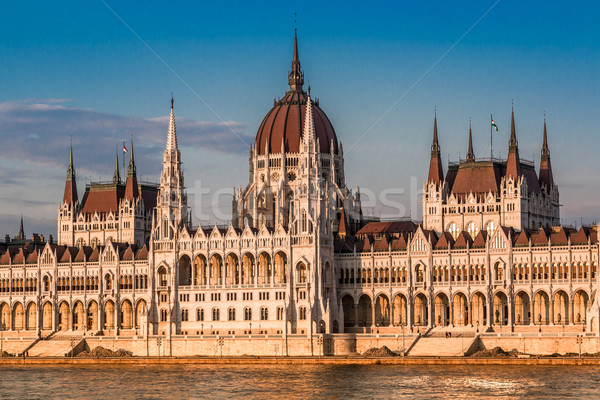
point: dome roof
(284, 123)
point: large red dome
(283, 124)
(285, 121)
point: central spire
(172, 136)
(296, 76)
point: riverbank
(83, 361)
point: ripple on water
(299, 381)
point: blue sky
(74, 69)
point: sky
(102, 72)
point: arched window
(231, 314)
(491, 227)
(247, 314)
(163, 315)
(108, 281)
(499, 272)
(264, 313)
(302, 273)
(454, 230)
(200, 314)
(162, 277)
(279, 313)
(420, 273)
(216, 315)
(304, 222)
(302, 313)
(473, 229)
(184, 315)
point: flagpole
(491, 139)
(124, 174)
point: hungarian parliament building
(299, 257)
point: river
(298, 381)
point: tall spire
(117, 175)
(71, 168)
(546, 178)
(21, 230)
(545, 149)
(436, 173)
(513, 163)
(309, 123)
(131, 171)
(296, 76)
(470, 153)
(172, 137)
(513, 144)
(70, 195)
(131, 186)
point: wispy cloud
(38, 131)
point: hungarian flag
(494, 125)
(127, 151)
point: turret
(296, 76)
(546, 178)
(513, 164)
(117, 175)
(470, 153)
(132, 191)
(70, 195)
(436, 174)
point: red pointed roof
(581, 237)
(19, 256)
(128, 254)
(463, 240)
(399, 243)
(381, 244)
(560, 236)
(480, 239)
(445, 240)
(32, 258)
(142, 253)
(541, 239)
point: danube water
(299, 382)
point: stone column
(356, 315)
(452, 313)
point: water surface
(298, 381)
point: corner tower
(171, 207)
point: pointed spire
(21, 230)
(309, 123)
(435, 146)
(470, 153)
(513, 144)
(513, 163)
(71, 168)
(70, 195)
(296, 76)
(131, 171)
(172, 136)
(545, 149)
(132, 190)
(546, 178)
(117, 175)
(436, 173)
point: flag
(494, 125)
(127, 151)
